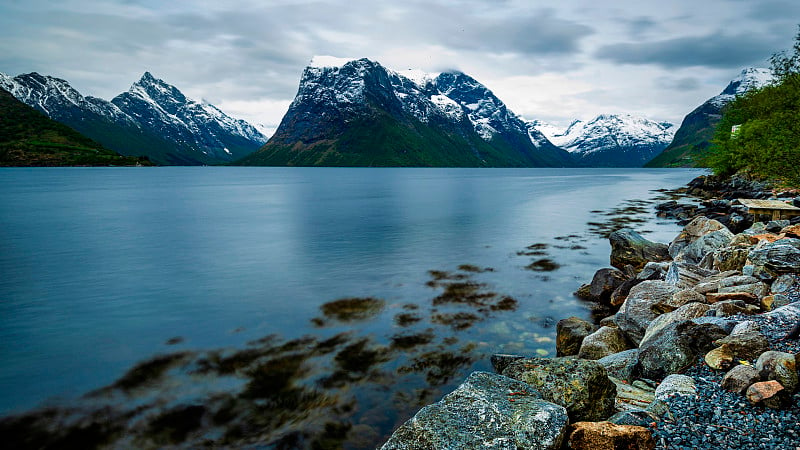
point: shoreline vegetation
(699, 349)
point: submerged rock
(486, 411)
(581, 386)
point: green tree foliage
(768, 141)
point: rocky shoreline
(700, 352)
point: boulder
(609, 436)
(736, 280)
(679, 299)
(603, 342)
(621, 365)
(675, 385)
(674, 348)
(745, 346)
(604, 282)
(685, 275)
(704, 245)
(781, 256)
(768, 393)
(728, 258)
(732, 307)
(775, 226)
(720, 358)
(698, 227)
(777, 301)
(716, 297)
(747, 326)
(792, 231)
(790, 312)
(758, 289)
(636, 312)
(501, 360)
(779, 366)
(486, 411)
(712, 283)
(638, 417)
(685, 312)
(581, 386)
(632, 396)
(570, 333)
(629, 248)
(739, 378)
(783, 283)
(651, 271)
(725, 324)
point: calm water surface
(101, 267)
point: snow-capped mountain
(152, 118)
(693, 137)
(611, 140)
(357, 112)
(164, 110)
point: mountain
(30, 138)
(694, 135)
(152, 119)
(359, 113)
(611, 140)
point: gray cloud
(717, 50)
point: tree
(767, 142)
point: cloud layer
(547, 60)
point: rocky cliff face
(693, 137)
(153, 118)
(358, 113)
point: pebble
(720, 419)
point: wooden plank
(753, 203)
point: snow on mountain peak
(747, 80)
(323, 61)
(606, 130)
(419, 77)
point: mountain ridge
(152, 118)
(693, 137)
(360, 113)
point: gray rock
(790, 312)
(739, 378)
(725, 325)
(781, 256)
(780, 300)
(684, 275)
(674, 348)
(621, 365)
(679, 299)
(481, 414)
(729, 258)
(698, 227)
(775, 226)
(685, 312)
(637, 417)
(580, 385)
(636, 312)
(783, 283)
(779, 366)
(747, 326)
(604, 282)
(675, 385)
(629, 248)
(711, 284)
(653, 271)
(570, 333)
(758, 289)
(736, 280)
(745, 346)
(603, 342)
(704, 245)
(501, 360)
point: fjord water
(101, 267)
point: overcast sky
(548, 60)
